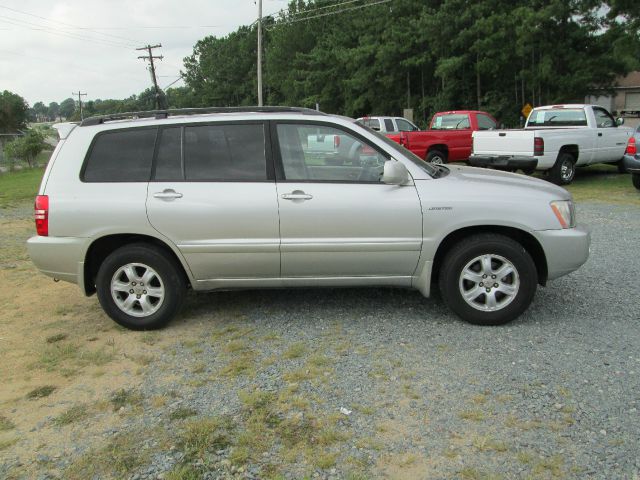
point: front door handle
(599, 134)
(296, 195)
(167, 194)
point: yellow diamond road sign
(526, 110)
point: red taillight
(42, 215)
(538, 147)
(632, 148)
(336, 141)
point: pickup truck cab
(449, 137)
(557, 139)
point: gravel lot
(553, 395)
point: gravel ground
(554, 394)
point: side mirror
(395, 173)
(619, 121)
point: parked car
(140, 208)
(555, 139)
(632, 158)
(388, 124)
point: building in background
(623, 100)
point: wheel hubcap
(566, 171)
(437, 160)
(137, 290)
(489, 283)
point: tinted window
(451, 121)
(564, 117)
(404, 125)
(388, 125)
(122, 156)
(225, 152)
(326, 154)
(485, 123)
(603, 118)
(169, 164)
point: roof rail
(159, 114)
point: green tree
(25, 148)
(67, 108)
(13, 112)
(54, 111)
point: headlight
(564, 212)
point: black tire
(437, 157)
(564, 170)
(464, 252)
(621, 167)
(635, 179)
(167, 271)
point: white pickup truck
(557, 139)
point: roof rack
(159, 114)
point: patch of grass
(603, 183)
(472, 415)
(6, 424)
(19, 187)
(319, 360)
(552, 465)
(182, 413)
(204, 435)
(295, 350)
(52, 356)
(141, 359)
(485, 443)
(525, 425)
(235, 346)
(123, 398)
(199, 368)
(96, 357)
(241, 365)
(117, 459)
(56, 338)
(4, 444)
(73, 414)
(325, 460)
(41, 392)
(150, 338)
(184, 472)
(525, 457)
(239, 456)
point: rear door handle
(167, 194)
(296, 195)
(599, 134)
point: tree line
(428, 55)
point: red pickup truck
(449, 136)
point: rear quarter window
(121, 156)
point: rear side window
(121, 156)
(225, 153)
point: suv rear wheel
(488, 279)
(140, 287)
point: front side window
(121, 156)
(603, 118)
(326, 154)
(404, 125)
(451, 121)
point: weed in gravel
(552, 465)
(199, 368)
(485, 443)
(472, 415)
(6, 424)
(41, 392)
(117, 459)
(241, 365)
(525, 425)
(123, 398)
(51, 357)
(319, 360)
(479, 399)
(295, 350)
(182, 413)
(4, 444)
(207, 434)
(141, 359)
(56, 338)
(184, 472)
(524, 457)
(150, 338)
(96, 357)
(73, 414)
(470, 473)
(325, 460)
(239, 456)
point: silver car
(139, 208)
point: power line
(295, 20)
(150, 57)
(315, 9)
(62, 33)
(65, 24)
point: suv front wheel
(140, 287)
(488, 279)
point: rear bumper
(59, 257)
(503, 161)
(632, 163)
(566, 250)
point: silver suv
(139, 208)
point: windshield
(416, 160)
(558, 117)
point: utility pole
(259, 53)
(152, 68)
(80, 95)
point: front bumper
(566, 250)
(59, 257)
(503, 161)
(632, 163)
